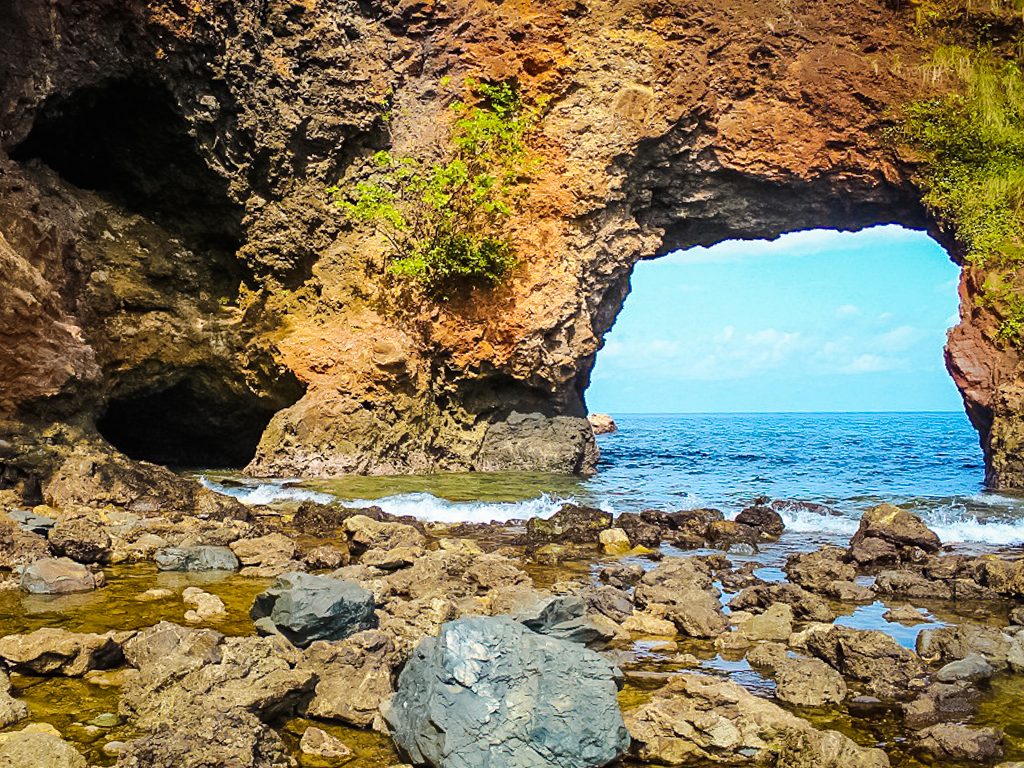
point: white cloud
(868, 363)
(848, 310)
(898, 339)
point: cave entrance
(127, 140)
(816, 320)
(201, 421)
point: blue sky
(813, 321)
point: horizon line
(771, 413)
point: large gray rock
(305, 608)
(490, 693)
(59, 576)
(199, 558)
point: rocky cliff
(179, 290)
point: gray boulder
(305, 608)
(59, 576)
(199, 558)
(490, 693)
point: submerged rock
(697, 719)
(11, 709)
(490, 693)
(59, 576)
(950, 741)
(198, 558)
(304, 608)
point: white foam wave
(799, 520)
(267, 493)
(430, 508)
(958, 526)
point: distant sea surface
(930, 463)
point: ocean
(930, 463)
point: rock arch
(670, 125)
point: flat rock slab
(199, 558)
(490, 693)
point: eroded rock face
(490, 692)
(245, 309)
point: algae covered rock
(305, 608)
(490, 693)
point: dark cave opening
(199, 422)
(127, 140)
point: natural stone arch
(670, 125)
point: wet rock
(766, 521)
(644, 623)
(849, 592)
(941, 702)
(200, 738)
(51, 651)
(817, 570)
(318, 743)
(59, 576)
(696, 719)
(723, 534)
(776, 623)
(81, 539)
(32, 522)
(538, 443)
(173, 646)
(973, 668)
(621, 575)
(366, 533)
(206, 607)
(602, 423)
(197, 558)
(355, 676)
(11, 709)
(265, 556)
(909, 539)
(640, 530)
(391, 559)
(304, 608)
(948, 741)
(488, 692)
(767, 655)
(905, 614)
(614, 541)
(913, 586)
(808, 683)
(562, 616)
(571, 524)
(878, 662)
(609, 601)
(806, 605)
(327, 557)
(680, 589)
(40, 746)
(945, 644)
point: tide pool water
(930, 463)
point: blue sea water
(930, 463)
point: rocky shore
(318, 635)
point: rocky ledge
(579, 640)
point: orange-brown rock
(176, 279)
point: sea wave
(430, 508)
(958, 525)
(269, 492)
